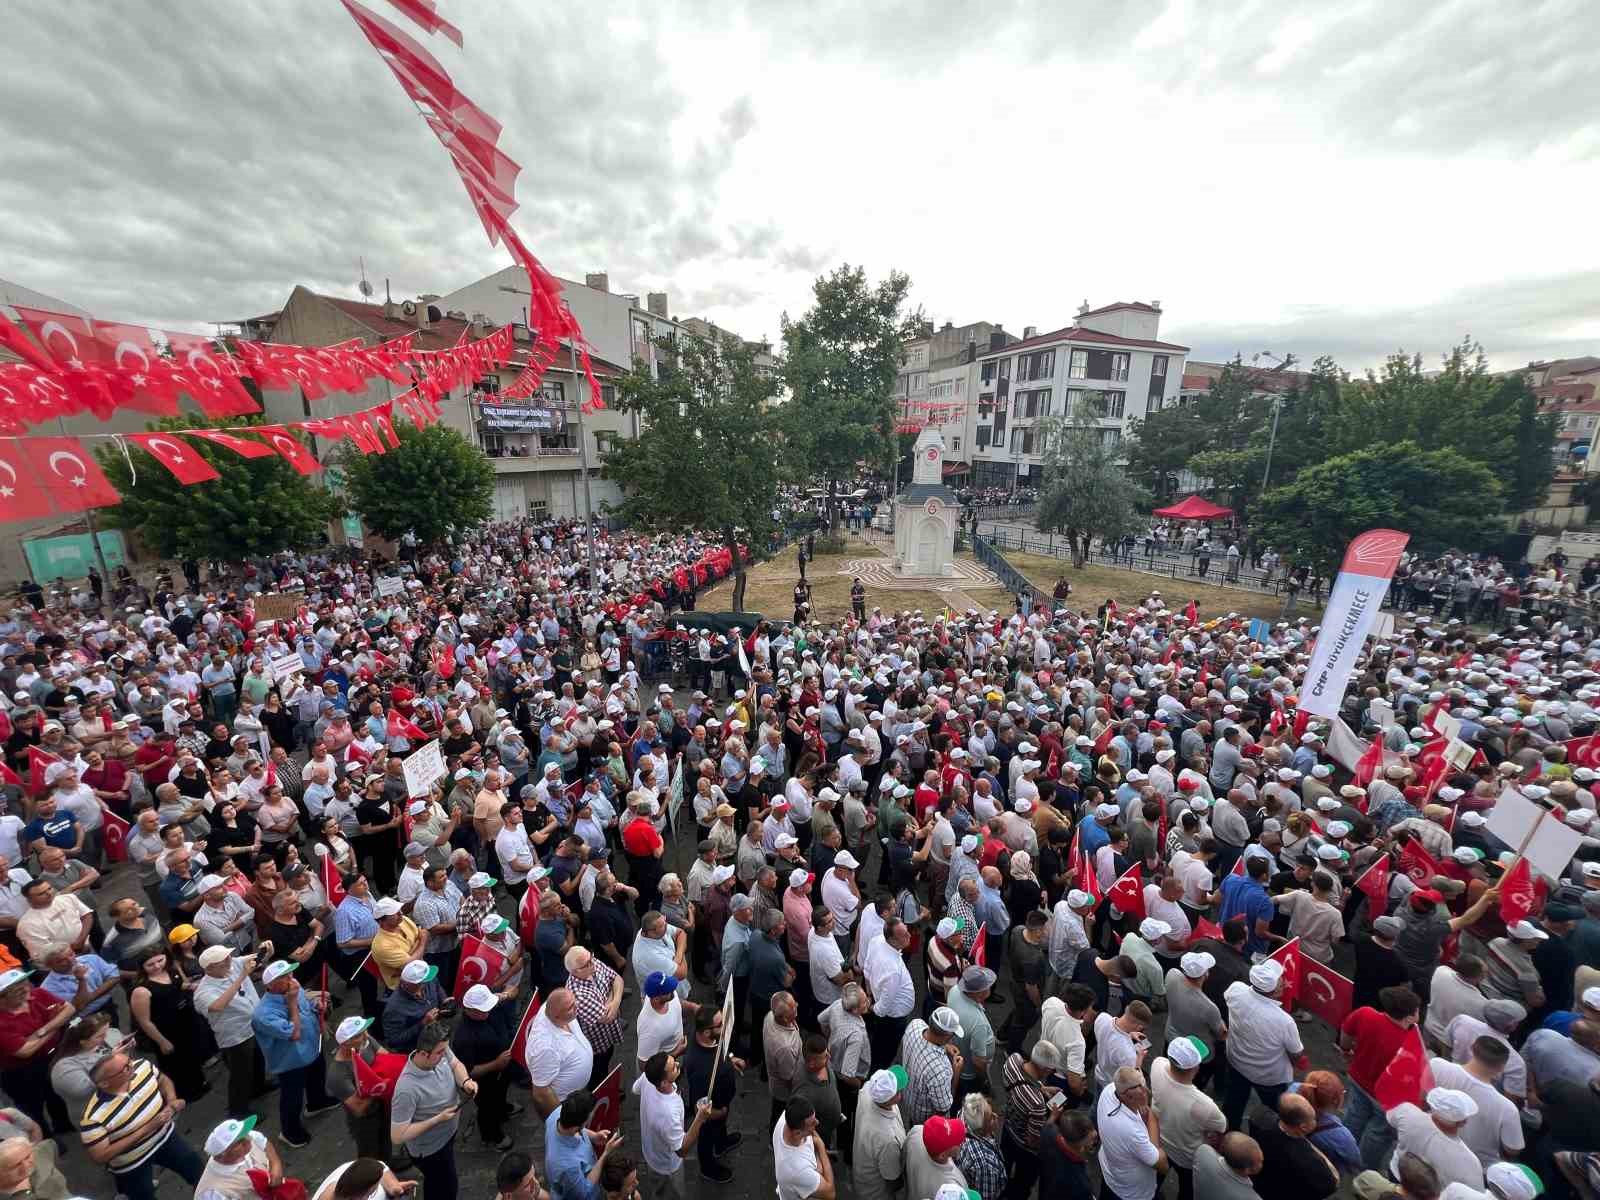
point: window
(1031, 404)
(605, 440)
(919, 382)
(983, 437)
(608, 395)
(1119, 367)
(553, 393)
(1112, 403)
(955, 445)
(494, 444)
(1158, 366)
(1079, 366)
(995, 368)
(1111, 438)
(1041, 364)
(1000, 427)
(489, 383)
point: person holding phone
(425, 1109)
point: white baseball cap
(229, 1132)
(275, 971)
(480, 999)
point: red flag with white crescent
(114, 831)
(21, 498)
(68, 473)
(980, 947)
(1374, 884)
(1407, 1079)
(376, 1079)
(1325, 992)
(289, 448)
(243, 447)
(332, 885)
(171, 452)
(1288, 956)
(210, 376)
(519, 1044)
(1127, 893)
(480, 963)
(1517, 895)
(39, 761)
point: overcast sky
(1309, 177)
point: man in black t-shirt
(482, 1043)
(715, 1140)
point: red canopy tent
(1194, 509)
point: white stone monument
(926, 514)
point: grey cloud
(1517, 322)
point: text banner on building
(1358, 592)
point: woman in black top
(234, 834)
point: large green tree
(1440, 497)
(840, 362)
(1086, 493)
(707, 454)
(256, 506)
(433, 482)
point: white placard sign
(1553, 843)
(1459, 754)
(286, 665)
(423, 767)
(1447, 726)
(390, 585)
(1382, 713)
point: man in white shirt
(894, 995)
(559, 1058)
(1061, 1024)
(1494, 1132)
(1120, 1041)
(1435, 1135)
(799, 1159)
(841, 895)
(826, 960)
(663, 1141)
(1263, 1041)
(660, 1022)
(1189, 1118)
(1455, 990)
(1130, 1138)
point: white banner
(1344, 747)
(1353, 605)
(390, 585)
(423, 766)
(286, 666)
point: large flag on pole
(1358, 592)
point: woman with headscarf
(1022, 892)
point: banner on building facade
(522, 418)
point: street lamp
(583, 453)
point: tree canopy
(707, 454)
(1086, 493)
(1440, 497)
(257, 506)
(433, 481)
(840, 362)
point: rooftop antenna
(364, 287)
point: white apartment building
(1103, 371)
(933, 388)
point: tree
(257, 506)
(840, 362)
(707, 452)
(435, 480)
(1440, 497)
(1086, 494)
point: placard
(423, 767)
(1382, 713)
(390, 585)
(1383, 631)
(1259, 630)
(1446, 726)
(675, 797)
(286, 666)
(1553, 842)
(279, 606)
(1459, 754)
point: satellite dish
(365, 288)
(409, 308)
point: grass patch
(770, 589)
(1093, 585)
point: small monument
(926, 514)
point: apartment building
(933, 388)
(1104, 370)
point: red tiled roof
(1196, 381)
(1135, 305)
(1076, 333)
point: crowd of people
(988, 903)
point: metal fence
(1013, 580)
(1166, 565)
(1004, 512)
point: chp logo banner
(1363, 582)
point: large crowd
(980, 904)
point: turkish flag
(290, 448)
(1584, 751)
(1127, 893)
(1104, 740)
(371, 967)
(1238, 867)
(38, 761)
(1407, 1079)
(1517, 895)
(399, 726)
(376, 1080)
(607, 1115)
(1325, 992)
(182, 460)
(243, 447)
(1370, 763)
(68, 473)
(1206, 929)
(1192, 612)
(528, 915)
(519, 1044)
(15, 340)
(210, 376)
(21, 498)
(1374, 884)
(1289, 957)
(114, 830)
(383, 419)
(480, 963)
(7, 775)
(1418, 863)
(332, 885)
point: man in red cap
(931, 1155)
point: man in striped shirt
(127, 1126)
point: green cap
(900, 1075)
